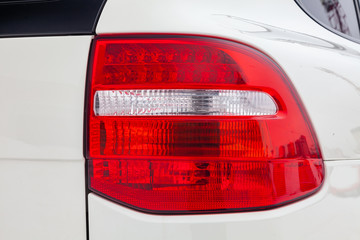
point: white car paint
(42, 175)
(42, 86)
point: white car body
(42, 92)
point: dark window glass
(339, 15)
(48, 17)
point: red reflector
(178, 185)
(247, 144)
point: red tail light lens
(194, 124)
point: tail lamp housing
(188, 124)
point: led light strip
(165, 102)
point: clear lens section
(183, 102)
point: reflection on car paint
(279, 34)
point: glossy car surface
(42, 90)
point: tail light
(195, 124)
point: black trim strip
(23, 1)
(22, 18)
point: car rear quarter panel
(42, 85)
(324, 69)
(42, 176)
